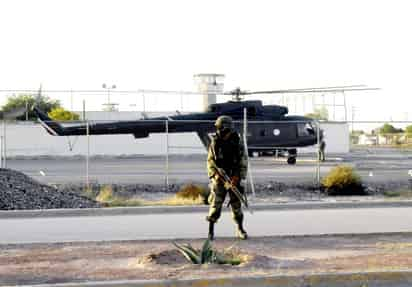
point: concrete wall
(31, 139)
(336, 138)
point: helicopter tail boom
(52, 127)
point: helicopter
(274, 132)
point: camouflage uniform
(226, 152)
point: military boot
(241, 232)
(211, 234)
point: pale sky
(258, 45)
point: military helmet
(224, 122)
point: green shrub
(343, 180)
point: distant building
(368, 139)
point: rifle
(227, 182)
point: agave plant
(203, 256)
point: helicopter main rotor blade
(326, 88)
(333, 87)
(332, 90)
(234, 92)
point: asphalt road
(377, 167)
(193, 225)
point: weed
(207, 255)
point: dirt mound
(18, 191)
(249, 261)
(166, 257)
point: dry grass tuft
(175, 200)
(106, 196)
(191, 191)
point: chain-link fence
(170, 152)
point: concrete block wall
(31, 139)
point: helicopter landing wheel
(291, 160)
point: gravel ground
(300, 255)
(18, 191)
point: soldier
(322, 146)
(226, 152)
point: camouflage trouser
(321, 155)
(216, 199)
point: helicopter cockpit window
(309, 127)
(305, 129)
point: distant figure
(321, 154)
(226, 152)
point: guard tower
(209, 85)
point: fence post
(87, 155)
(4, 144)
(1, 151)
(245, 145)
(167, 154)
(318, 154)
(249, 169)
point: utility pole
(27, 111)
(84, 110)
(344, 104)
(71, 103)
(143, 102)
(353, 113)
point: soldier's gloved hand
(235, 180)
(228, 185)
(216, 177)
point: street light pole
(110, 107)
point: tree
(408, 129)
(60, 114)
(319, 114)
(357, 132)
(389, 129)
(28, 100)
(354, 136)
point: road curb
(369, 279)
(8, 214)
